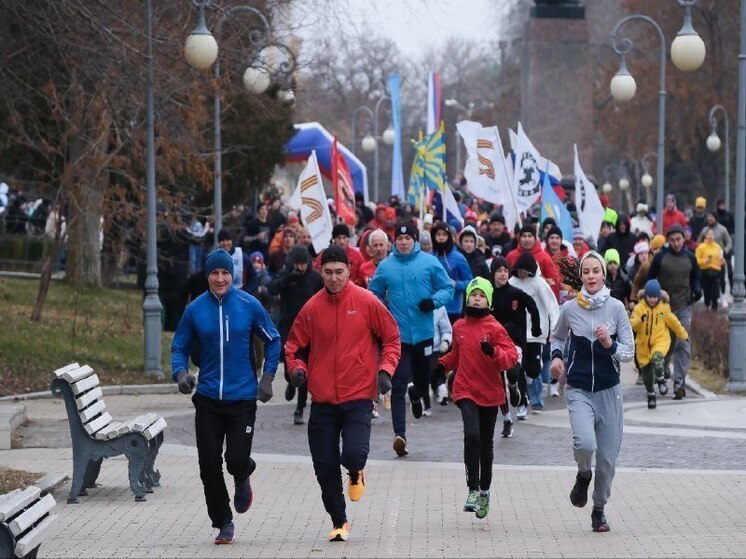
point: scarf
(473, 312)
(595, 301)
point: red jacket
(366, 273)
(479, 377)
(669, 218)
(341, 334)
(355, 258)
(548, 270)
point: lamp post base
(152, 321)
(736, 353)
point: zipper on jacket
(572, 362)
(227, 329)
(220, 321)
(593, 371)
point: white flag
(310, 198)
(589, 208)
(451, 206)
(526, 176)
(486, 170)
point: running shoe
(598, 521)
(225, 536)
(521, 413)
(400, 446)
(507, 429)
(515, 394)
(483, 504)
(679, 392)
(289, 392)
(244, 496)
(579, 493)
(340, 533)
(415, 400)
(442, 397)
(298, 417)
(356, 487)
(554, 389)
(651, 401)
(662, 386)
(471, 501)
(427, 412)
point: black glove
(186, 382)
(384, 382)
(536, 331)
(264, 392)
(298, 377)
(426, 305)
(487, 348)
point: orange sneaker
(356, 487)
(339, 534)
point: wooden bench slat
(85, 384)
(8, 495)
(97, 424)
(92, 411)
(29, 542)
(77, 374)
(11, 506)
(88, 397)
(159, 425)
(108, 432)
(144, 421)
(62, 370)
(26, 519)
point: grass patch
(99, 327)
(708, 379)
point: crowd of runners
(400, 315)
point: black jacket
(619, 286)
(509, 306)
(294, 290)
(477, 263)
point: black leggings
(479, 430)
(711, 288)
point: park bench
(24, 519)
(96, 436)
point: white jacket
(443, 331)
(542, 294)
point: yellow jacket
(652, 324)
(709, 256)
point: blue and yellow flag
(416, 191)
(552, 206)
(434, 147)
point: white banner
(589, 208)
(310, 199)
(526, 177)
(486, 170)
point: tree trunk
(84, 245)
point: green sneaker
(471, 501)
(483, 504)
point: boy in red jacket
(481, 350)
(346, 345)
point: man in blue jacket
(413, 283)
(219, 325)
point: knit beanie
(597, 256)
(483, 285)
(528, 229)
(525, 262)
(653, 288)
(497, 263)
(641, 247)
(657, 242)
(340, 229)
(224, 235)
(334, 254)
(299, 255)
(405, 228)
(612, 255)
(700, 202)
(219, 259)
(554, 230)
(496, 217)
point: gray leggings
(597, 420)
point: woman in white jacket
(525, 276)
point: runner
(334, 346)
(600, 338)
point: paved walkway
(687, 500)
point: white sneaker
(554, 390)
(521, 412)
(427, 412)
(442, 393)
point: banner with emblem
(310, 199)
(588, 206)
(527, 171)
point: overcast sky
(415, 25)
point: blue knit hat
(653, 289)
(219, 258)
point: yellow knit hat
(657, 242)
(700, 202)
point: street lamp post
(737, 314)
(687, 51)
(624, 182)
(200, 53)
(371, 116)
(152, 304)
(468, 110)
(371, 143)
(647, 180)
(713, 144)
(607, 188)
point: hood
(441, 248)
(525, 262)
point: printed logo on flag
(528, 184)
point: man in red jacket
(527, 243)
(341, 238)
(671, 216)
(334, 346)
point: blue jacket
(403, 280)
(458, 270)
(223, 328)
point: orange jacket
(479, 377)
(341, 334)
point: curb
(694, 386)
(121, 389)
(10, 418)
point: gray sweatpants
(681, 354)
(597, 420)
